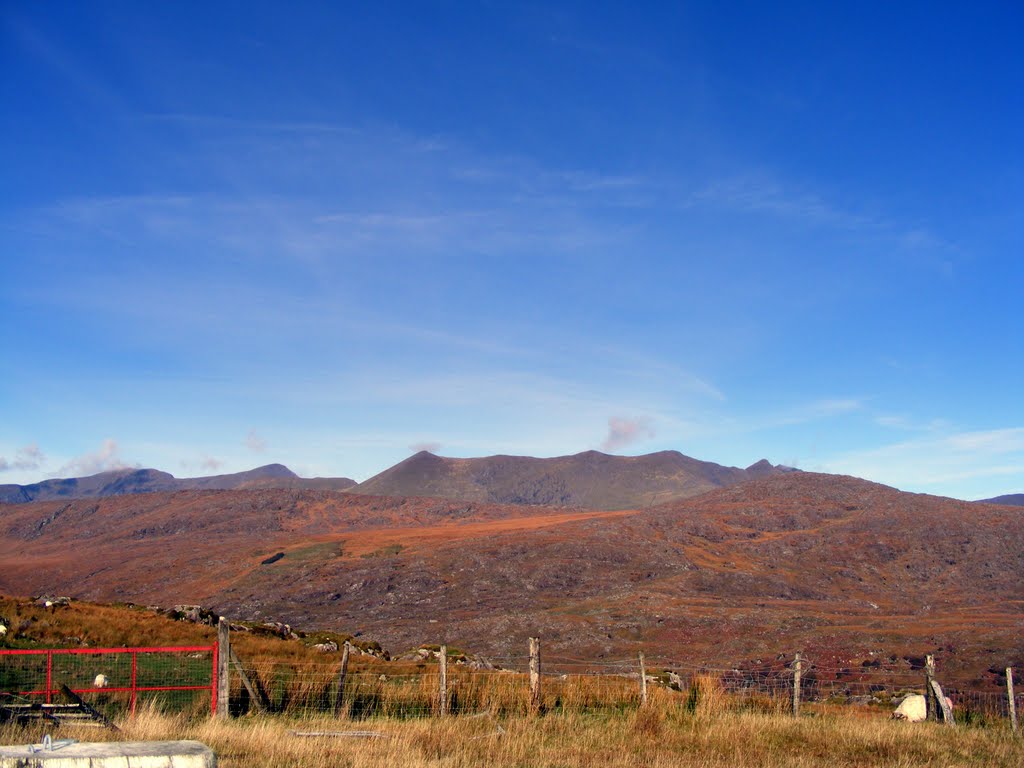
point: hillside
(130, 481)
(592, 480)
(834, 565)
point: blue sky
(330, 235)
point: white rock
(912, 709)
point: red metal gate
(165, 668)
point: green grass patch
(386, 551)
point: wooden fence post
(223, 667)
(798, 666)
(535, 674)
(442, 667)
(342, 674)
(643, 682)
(1010, 699)
(931, 703)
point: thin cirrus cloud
(940, 463)
(764, 195)
(815, 410)
(487, 204)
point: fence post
(342, 674)
(931, 703)
(49, 677)
(442, 667)
(1010, 699)
(223, 667)
(534, 674)
(798, 666)
(643, 681)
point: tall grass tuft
(706, 696)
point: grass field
(588, 721)
(646, 737)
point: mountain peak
(271, 470)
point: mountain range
(131, 481)
(591, 479)
(846, 570)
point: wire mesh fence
(185, 680)
(565, 684)
(394, 689)
(112, 680)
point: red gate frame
(134, 689)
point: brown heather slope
(838, 567)
(592, 480)
(182, 547)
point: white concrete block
(110, 754)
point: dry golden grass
(588, 721)
(662, 734)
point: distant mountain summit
(1013, 499)
(123, 482)
(591, 479)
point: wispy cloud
(202, 464)
(255, 442)
(815, 410)
(762, 195)
(829, 407)
(992, 442)
(630, 363)
(623, 432)
(72, 70)
(907, 424)
(935, 462)
(28, 458)
(428, 446)
(106, 458)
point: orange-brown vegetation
(846, 570)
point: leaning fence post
(1010, 699)
(535, 674)
(797, 670)
(931, 703)
(223, 668)
(643, 681)
(342, 674)
(258, 701)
